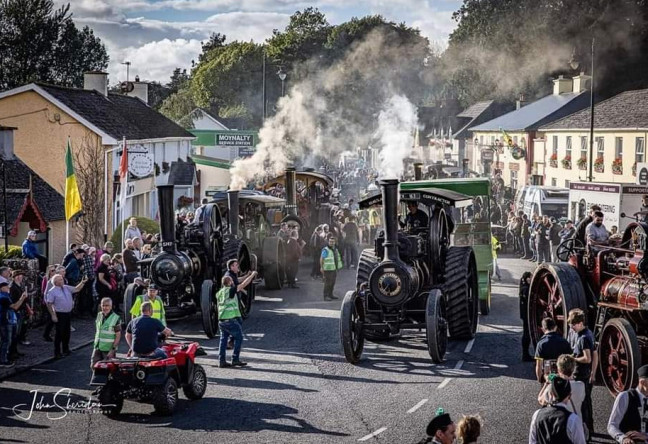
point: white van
(544, 201)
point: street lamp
(573, 63)
(282, 76)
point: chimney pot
(562, 85)
(140, 90)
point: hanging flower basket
(566, 163)
(553, 161)
(517, 153)
(617, 166)
(599, 165)
(634, 169)
(582, 163)
(184, 201)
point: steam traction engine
(609, 283)
(192, 262)
(413, 279)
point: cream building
(620, 131)
(519, 166)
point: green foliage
(303, 38)
(178, 106)
(39, 43)
(144, 224)
(15, 252)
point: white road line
(371, 435)
(417, 406)
(446, 381)
(469, 346)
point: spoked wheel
(351, 330)
(273, 262)
(620, 356)
(209, 308)
(237, 249)
(569, 247)
(439, 241)
(367, 262)
(213, 231)
(437, 326)
(461, 290)
(555, 290)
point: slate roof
(475, 109)
(626, 110)
(478, 113)
(117, 115)
(49, 202)
(538, 113)
(182, 173)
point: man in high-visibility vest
(330, 263)
(108, 335)
(155, 300)
(495, 245)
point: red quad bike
(149, 380)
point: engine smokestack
(418, 171)
(390, 217)
(291, 199)
(233, 210)
(167, 217)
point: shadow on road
(258, 384)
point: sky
(158, 35)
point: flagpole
(105, 196)
(125, 191)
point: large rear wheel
(461, 290)
(437, 326)
(351, 330)
(237, 249)
(209, 308)
(619, 355)
(273, 263)
(555, 290)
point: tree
(216, 40)
(179, 79)
(178, 106)
(39, 43)
(303, 38)
(89, 163)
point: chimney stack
(562, 85)
(520, 102)
(140, 90)
(582, 83)
(96, 80)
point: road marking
(469, 346)
(371, 435)
(446, 381)
(417, 406)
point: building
(29, 203)
(620, 131)
(96, 122)
(519, 164)
(463, 146)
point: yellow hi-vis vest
(158, 308)
(105, 336)
(331, 260)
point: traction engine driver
(415, 218)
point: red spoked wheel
(619, 355)
(555, 290)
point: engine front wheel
(437, 326)
(351, 330)
(209, 308)
(619, 355)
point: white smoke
(322, 117)
(395, 124)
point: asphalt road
(298, 388)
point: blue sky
(158, 35)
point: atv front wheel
(198, 386)
(165, 398)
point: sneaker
(224, 365)
(352, 267)
(25, 342)
(7, 364)
(334, 297)
(72, 328)
(238, 364)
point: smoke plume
(395, 136)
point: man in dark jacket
(525, 282)
(130, 261)
(16, 291)
(73, 267)
(293, 254)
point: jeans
(329, 283)
(19, 334)
(544, 252)
(525, 246)
(233, 328)
(7, 334)
(586, 409)
(292, 266)
(62, 335)
(496, 269)
(158, 353)
(351, 254)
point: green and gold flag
(72, 196)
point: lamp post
(4, 204)
(573, 63)
(282, 76)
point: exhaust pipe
(390, 218)
(418, 171)
(233, 210)
(167, 217)
(291, 198)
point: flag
(506, 138)
(72, 197)
(123, 179)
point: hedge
(143, 223)
(15, 252)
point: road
(298, 388)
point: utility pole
(128, 64)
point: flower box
(617, 166)
(582, 163)
(553, 161)
(566, 163)
(599, 165)
(634, 169)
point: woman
(106, 285)
(120, 272)
(107, 249)
(60, 303)
(468, 429)
(146, 251)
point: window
(640, 149)
(554, 182)
(515, 141)
(514, 179)
(583, 141)
(600, 146)
(618, 147)
(555, 145)
(568, 151)
(481, 140)
(492, 140)
(567, 183)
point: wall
(503, 159)
(212, 177)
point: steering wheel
(569, 247)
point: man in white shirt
(628, 421)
